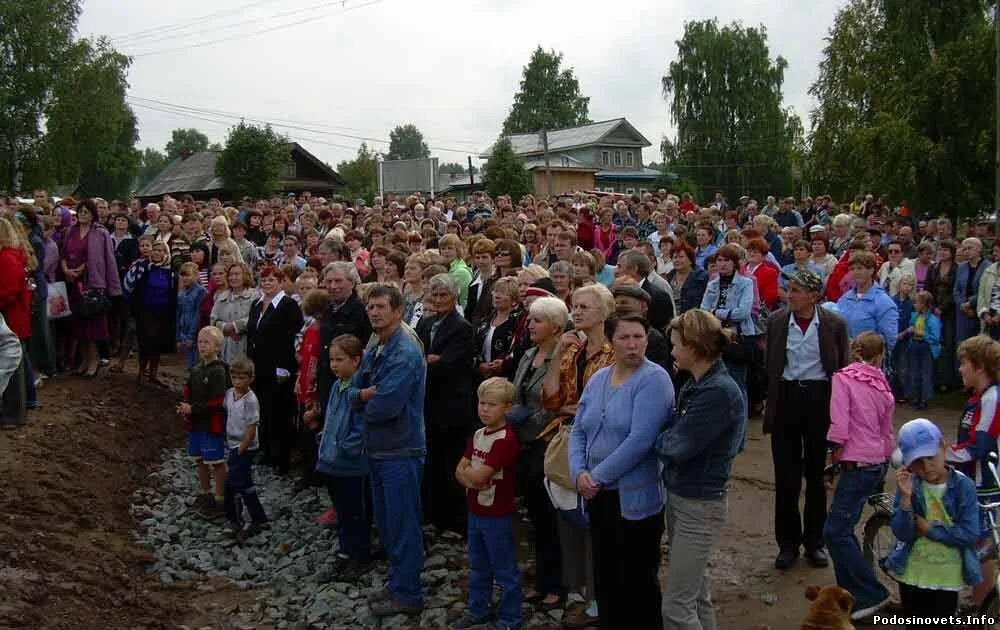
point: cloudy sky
(337, 72)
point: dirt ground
(69, 559)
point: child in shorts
(205, 413)
(242, 419)
(936, 521)
(487, 472)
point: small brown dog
(830, 608)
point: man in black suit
(634, 264)
(450, 402)
(275, 319)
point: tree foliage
(454, 168)
(90, 131)
(549, 97)
(186, 139)
(150, 165)
(905, 104)
(505, 173)
(360, 175)
(35, 42)
(253, 161)
(407, 143)
(724, 91)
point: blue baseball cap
(918, 438)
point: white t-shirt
(241, 414)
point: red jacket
(840, 282)
(15, 298)
(767, 285)
(585, 230)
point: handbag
(57, 302)
(94, 302)
(557, 458)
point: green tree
(90, 131)
(360, 175)
(253, 161)
(905, 105)
(549, 97)
(151, 164)
(190, 140)
(35, 41)
(505, 173)
(724, 91)
(407, 143)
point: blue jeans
(853, 573)
(396, 503)
(240, 489)
(919, 371)
(493, 557)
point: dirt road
(68, 557)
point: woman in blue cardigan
(622, 410)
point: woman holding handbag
(91, 271)
(577, 356)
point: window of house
(630, 191)
(290, 170)
(643, 191)
(605, 158)
(565, 161)
(618, 158)
(629, 158)
(609, 189)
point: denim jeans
(351, 498)
(919, 371)
(240, 489)
(853, 573)
(396, 503)
(493, 557)
(693, 525)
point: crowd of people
(593, 359)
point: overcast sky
(360, 67)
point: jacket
(348, 318)
(480, 301)
(341, 449)
(233, 308)
(873, 311)
(967, 281)
(205, 390)
(932, 332)
(15, 298)
(834, 350)
(613, 435)
(102, 266)
(661, 305)
(892, 275)
(271, 340)
(703, 435)
(963, 508)
(942, 288)
(767, 284)
(861, 408)
(739, 304)
(394, 417)
(528, 416)
(986, 284)
(452, 380)
(503, 336)
(692, 290)
(188, 312)
(460, 272)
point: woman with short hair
(730, 297)
(495, 334)
(687, 280)
(697, 448)
(231, 310)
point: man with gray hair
(634, 263)
(450, 405)
(345, 315)
(966, 291)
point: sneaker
(327, 519)
(868, 611)
(817, 557)
(468, 622)
(393, 607)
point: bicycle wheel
(877, 539)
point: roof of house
(197, 174)
(450, 181)
(645, 173)
(572, 137)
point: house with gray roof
(195, 175)
(605, 155)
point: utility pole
(548, 173)
(996, 114)
(472, 180)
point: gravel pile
(291, 563)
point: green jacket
(463, 277)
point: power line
(182, 25)
(251, 34)
(237, 116)
(216, 29)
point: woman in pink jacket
(861, 432)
